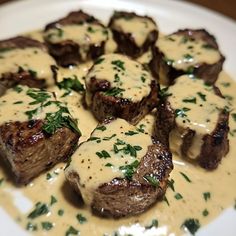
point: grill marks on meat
(166, 73)
(126, 41)
(29, 151)
(68, 52)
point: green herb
(117, 78)
(53, 200)
(207, 196)
(109, 138)
(128, 170)
(48, 176)
(18, 89)
(99, 61)
(58, 120)
(38, 95)
(190, 100)
(184, 39)
(103, 154)
(102, 128)
(143, 79)
(152, 180)
(192, 225)
(208, 46)
(33, 73)
(190, 70)
(72, 231)
(40, 209)
(225, 84)
(166, 200)
(114, 91)
(18, 102)
(5, 49)
(58, 32)
(171, 39)
(141, 128)
(178, 196)
(31, 227)
(164, 93)
(168, 61)
(97, 139)
(131, 133)
(47, 225)
(188, 57)
(202, 96)
(234, 116)
(70, 84)
(31, 113)
(205, 212)
(108, 165)
(181, 112)
(81, 219)
(1, 181)
(91, 30)
(60, 212)
(171, 184)
(153, 224)
(119, 64)
(186, 177)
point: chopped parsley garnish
(60, 212)
(117, 78)
(181, 112)
(53, 200)
(119, 64)
(205, 212)
(154, 223)
(102, 128)
(190, 70)
(131, 133)
(188, 57)
(99, 61)
(190, 100)
(103, 154)
(168, 61)
(164, 93)
(207, 196)
(31, 227)
(40, 209)
(81, 218)
(33, 73)
(202, 96)
(152, 180)
(185, 177)
(114, 92)
(91, 30)
(71, 231)
(97, 139)
(128, 170)
(141, 128)
(184, 39)
(143, 79)
(39, 96)
(48, 176)
(208, 46)
(46, 225)
(171, 184)
(166, 200)
(178, 196)
(31, 113)
(109, 138)
(225, 84)
(108, 165)
(17, 88)
(234, 116)
(70, 84)
(18, 102)
(192, 225)
(59, 33)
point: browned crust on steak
(29, 151)
(122, 197)
(10, 79)
(126, 43)
(208, 72)
(215, 145)
(67, 52)
(104, 106)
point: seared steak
(133, 33)
(76, 38)
(19, 66)
(139, 180)
(196, 52)
(120, 87)
(192, 119)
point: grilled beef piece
(22, 76)
(163, 69)
(107, 98)
(180, 138)
(135, 35)
(66, 50)
(124, 196)
(29, 151)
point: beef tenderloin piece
(192, 119)
(24, 61)
(120, 87)
(76, 38)
(116, 194)
(28, 151)
(133, 33)
(186, 51)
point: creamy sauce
(138, 27)
(170, 218)
(31, 59)
(36, 35)
(15, 103)
(145, 58)
(182, 53)
(123, 73)
(197, 107)
(98, 160)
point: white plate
(170, 15)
